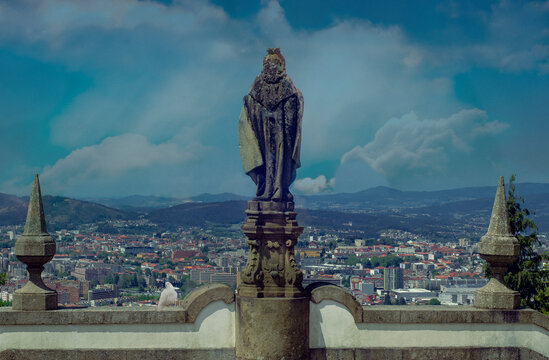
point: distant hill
(206, 197)
(146, 204)
(12, 209)
(456, 212)
(60, 211)
(138, 203)
(198, 214)
(382, 197)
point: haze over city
(113, 98)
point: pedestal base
(272, 328)
(46, 300)
(271, 233)
(495, 295)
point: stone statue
(269, 130)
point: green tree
(526, 275)
(433, 301)
(352, 260)
(2, 282)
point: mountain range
(454, 211)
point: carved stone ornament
(35, 248)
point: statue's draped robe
(269, 133)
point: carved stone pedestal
(272, 310)
(271, 271)
(495, 295)
(35, 295)
(272, 328)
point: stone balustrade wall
(203, 327)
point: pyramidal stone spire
(499, 247)
(36, 221)
(35, 248)
(499, 221)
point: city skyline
(110, 98)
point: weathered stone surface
(269, 130)
(200, 297)
(378, 354)
(531, 355)
(471, 353)
(509, 353)
(272, 328)
(271, 230)
(495, 295)
(320, 291)
(87, 354)
(499, 248)
(340, 354)
(93, 316)
(451, 315)
(35, 248)
(540, 320)
(499, 241)
(371, 314)
(34, 301)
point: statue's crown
(275, 52)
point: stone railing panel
(320, 291)
(200, 297)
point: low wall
(427, 332)
(204, 328)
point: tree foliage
(526, 275)
(375, 261)
(434, 301)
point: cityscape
(130, 267)
(274, 179)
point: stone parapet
(451, 315)
(395, 332)
(371, 315)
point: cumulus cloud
(309, 186)
(114, 157)
(409, 147)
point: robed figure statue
(269, 130)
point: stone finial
(35, 248)
(499, 248)
(36, 221)
(499, 221)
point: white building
(457, 295)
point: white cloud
(411, 146)
(310, 186)
(115, 157)
(50, 19)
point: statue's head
(274, 66)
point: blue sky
(120, 97)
